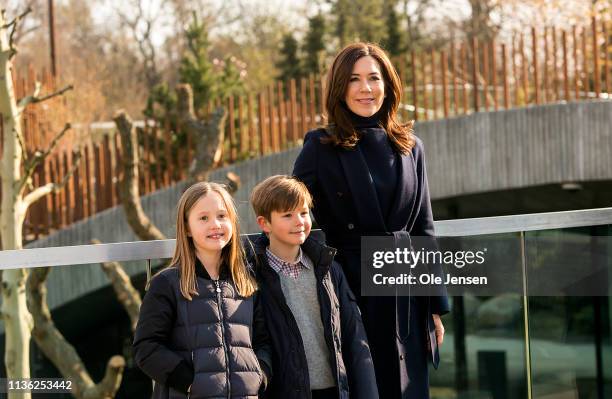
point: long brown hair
(339, 126)
(232, 255)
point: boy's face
(288, 228)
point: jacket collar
(201, 271)
(320, 254)
(361, 185)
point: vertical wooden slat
(282, 114)
(517, 87)
(424, 78)
(596, 76)
(404, 99)
(545, 75)
(524, 69)
(475, 69)
(534, 55)
(566, 91)
(585, 64)
(294, 111)
(158, 169)
(252, 126)
(35, 211)
(48, 200)
(244, 128)
(78, 193)
(55, 197)
(169, 169)
(90, 180)
(67, 190)
(485, 74)
(607, 43)
(232, 129)
(454, 77)
(312, 101)
(434, 99)
(99, 166)
(263, 142)
(464, 77)
(415, 99)
(555, 64)
(494, 74)
(444, 86)
(273, 120)
(303, 108)
(322, 82)
(111, 196)
(505, 76)
(575, 54)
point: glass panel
(570, 335)
(483, 355)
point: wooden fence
(541, 66)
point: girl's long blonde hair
(232, 255)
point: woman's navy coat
(346, 207)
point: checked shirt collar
(290, 269)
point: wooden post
(434, 96)
(565, 72)
(464, 77)
(494, 74)
(444, 87)
(555, 66)
(607, 44)
(505, 76)
(244, 128)
(475, 69)
(294, 111)
(252, 127)
(585, 64)
(545, 75)
(169, 170)
(232, 129)
(312, 102)
(424, 77)
(282, 118)
(303, 108)
(485, 74)
(415, 96)
(454, 77)
(575, 52)
(274, 134)
(263, 141)
(534, 55)
(596, 77)
(524, 69)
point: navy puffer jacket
(211, 337)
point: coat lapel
(405, 193)
(362, 188)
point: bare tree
(18, 193)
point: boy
(320, 349)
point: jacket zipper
(225, 351)
(331, 328)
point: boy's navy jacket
(342, 324)
(217, 343)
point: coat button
(339, 193)
(350, 226)
(401, 357)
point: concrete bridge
(535, 159)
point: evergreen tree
(393, 40)
(359, 20)
(196, 68)
(314, 44)
(289, 65)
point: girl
(366, 174)
(200, 332)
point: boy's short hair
(279, 193)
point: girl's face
(209, 224)
(366, 88)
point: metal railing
(161, 249)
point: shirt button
(351, 226)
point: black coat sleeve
(261, 341)
(424, 227)
(355, 348)
(305, 167)
(155, 322)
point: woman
(366, 173)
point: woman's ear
(263, 223)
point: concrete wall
(465, 155)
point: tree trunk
(17, 319)
(61, 353)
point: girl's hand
(439, 327)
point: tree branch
(127, 295)
(38, 157)
(129, 192)
(33, 99)
(14, 24)
(48, 188)
(208, 135)
(59, 351)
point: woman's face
(366, 89)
